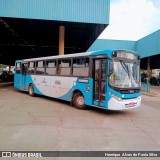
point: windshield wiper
(125, 67)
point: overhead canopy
(154, 62)
(148, 46)
(26, 38)
(30, 28)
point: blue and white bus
(109, 79)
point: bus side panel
(62, 87)
(83, 85)
(54, 86)
(86, 87)
(18, 81)
(30, 80)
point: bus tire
(78, 101)
(31, 90)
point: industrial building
(31, 125)
(34, 28)
(148, 48)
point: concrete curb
(5, 84)
(150, 94)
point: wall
(145, 47)
(101, 44)
(90, 11)
(149, 45)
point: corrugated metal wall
(149, 45)
(101, 44)
(145, 47)
(90, 11)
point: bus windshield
(125, 75)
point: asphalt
(154, 91)
(46, 124)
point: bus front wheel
(31, 90)
(78, 101)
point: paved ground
(45, 124)
(155, 89)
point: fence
(145, 87)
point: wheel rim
(80, 100)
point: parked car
(144, 77)
(155, 80)
(6, 75)
(3, 74)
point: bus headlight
(115, 97)
(139, 97)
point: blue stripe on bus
(83, 88)
(19, 84)
(125, 96)
(29, 80)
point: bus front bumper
(114, 104)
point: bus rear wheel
(31, 90)
(78, 101)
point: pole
(61, 40)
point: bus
(108, 79)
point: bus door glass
(24, 72)
(99, 76)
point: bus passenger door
(24, 72)
(99, 79)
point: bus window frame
(57, 66)
(25, 69)
(51, 67)
(89, 65)
(44, 66)
(34, 68)
(59, 59)
(20, 67)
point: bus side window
(51, 67)
(40, 67)
(81, 67)
(18, 68)
(24, 68)
(31, 67)
(64, 67)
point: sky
(132, 19)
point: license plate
(131, 104)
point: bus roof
(58, 56)
(72, 55)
